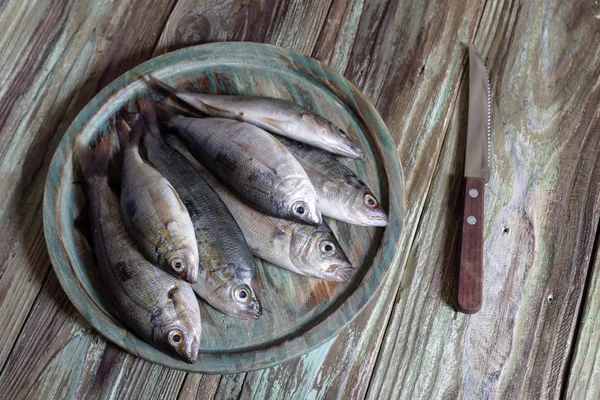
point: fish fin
(161, 85)
(94, 159)
(196, 102)
(278, 234)
(163, 113)
(82, 222)
(276, 123)
(257, 154)
(148, 111)
(129, 131)
(183, 207)
(190, 99)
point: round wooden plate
(300, 313)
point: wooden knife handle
(470, 277)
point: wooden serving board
(299, 312)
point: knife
(477, 174)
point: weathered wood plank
(52, 349)
(584, 376)
(55, 57)
(200, 387)
(409, 58)
(542, 213)
(192, 22)
(335, 42)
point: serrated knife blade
(479, 128)
(477, 173)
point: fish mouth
(190, 275)
(379, 220)
(340, 272)
(313, 218)
(351, 150)
(191, 354)
(253, 313)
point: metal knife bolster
(477, 173)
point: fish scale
(225, 260)
(151, 302)
(274, 115)
(153, 213)
(252, 163)
(341, 193)
(287, 244)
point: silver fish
(227, 275)
(252, 163)
(153, 214)
(274, 115)
(341, 194)
(305, 249)
(157, 306)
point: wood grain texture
(55, 57)
(541, 219)
(583, 378)
(409, 57)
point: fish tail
(148, 111)
(184, 107)
(129, 132)
(94, 159)
(164, 113)
(161, 85)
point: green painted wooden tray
(299, 312)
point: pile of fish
(242, 177)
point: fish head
(366, 209)
(245, 303)
(183, 263)
(234, 291)
(300, 202)
(335, 138)
(180, 329)
(316, 252)
(183, 344)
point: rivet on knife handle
(471, 253)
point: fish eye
(242, 294)
(177, 264)
(175, 336)
(370, 200)
(342, 132)
(299, 208)
(327, 247)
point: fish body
(153, 214)
(310, 250)
(252, 163)
(274, 115)
(157, 306)
(227, 273)
(341, 194)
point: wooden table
(536, 335)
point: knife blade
(477, 173)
